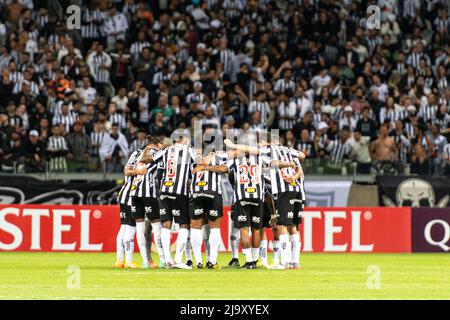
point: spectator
(57, 149)
(114, 149)
(80, 148)
(359, 146)
(383, 150)
(34, 153)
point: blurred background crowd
(349, 97)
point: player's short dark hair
(152, 140)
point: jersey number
(249, 173)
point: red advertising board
(94, 228)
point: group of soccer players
(183, 185)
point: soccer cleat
(189, 263)
(119, 264)
(249, 265)
(295, 266)
(168, 265)
(132, 265)
(208, 264)
(152, 265)
(277, 267)
(145, 265)
(182, 266)
(214, 266)
(200, 265)
(234, 263)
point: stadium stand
(352, 99)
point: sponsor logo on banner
(57, 228)
(370, 229)
(94, 228)
(431, 230)
(398, 191)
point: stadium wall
(324, 229)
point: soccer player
(290, 199)
(173, 200)
(145, 205)
(125, 236)
(206, 205)
(249, 195)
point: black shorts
(125, 215)
(289, 207)
(248, 213)
(145, 207)
(174, 207)
(208, 206)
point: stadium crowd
(335, 89)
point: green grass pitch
(324, 276)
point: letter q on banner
(446, 237)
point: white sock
(142, 242)
(263, 252)
(284, 241)
(234, 239)
(206, 233)
(189, 248)
(255, 254)
(165, 242)
(295, 253)
(129, 243)
(196, 241)
(276, 251)
(214, 242)
(157, 228)
(181, 244)
(120, 245)
(248, 254)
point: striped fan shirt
(282, 85)
(262, 107)
(428, 112)
(285, 154)
(248, 176)
(66, 120)
(137, 47)
(208, 181)
(145, 185)
(177, 160)
(338, 150)
(90, 29)
(96, 140)
(124, 196)
(57, 143)
(287, 110)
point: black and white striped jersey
(92, 20)
(285, 154)
(124, 196)
(144, 186)
(248, 176)
(177, 160)
(208, 181)
(57, 143)
(428, 112)
(96, 140)
(338, 150)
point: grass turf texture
(324, 276)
